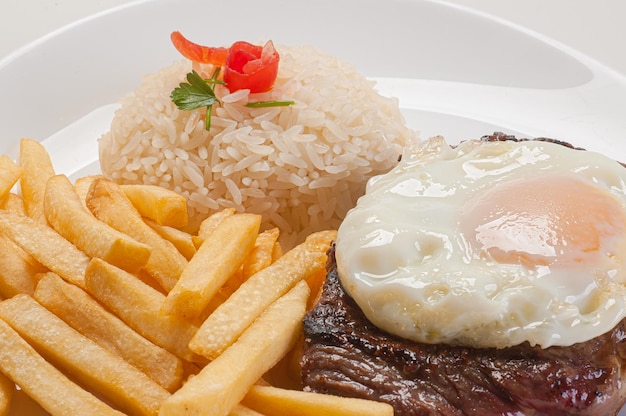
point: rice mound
(301, 167)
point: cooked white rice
(302, 167)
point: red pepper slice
(199, 53)
(251, 66)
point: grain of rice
(263, 114)
(261, 150)
(252, 193)
(233, 153)
(301, 167)
(203, 153)
(292, 160)
(334, 169)
(324, 182)
(159, 142)
(119, 164)
(236, 96)
(129, 176)
(246, 162)
(169, 154)
(181, 154)
(194, 175)
(234, 113)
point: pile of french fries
(112, 305)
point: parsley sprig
(198, 92)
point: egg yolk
(544, 221)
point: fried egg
(490, 244)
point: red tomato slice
(251, 67)
(199, 53)
(246, 66)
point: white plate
(456, 72)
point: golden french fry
(229, 287)
(10, 173)
(320, 241)
(232, 317)
(185, 243)
(87, 316)
(241, 410)
(109, 203)
(7, 391)
(14, 203)
(210, 223)
(18, 270)
(277, 252)
(287, 373)
(162, 205)
(42, 381)
(82, 185)
(222, 383)
(139, 306)
(260, 257)
(67, 214)
(262, 253)
(99, 370)
(217, 259)
(316, 283)
(273, 401)
(37, 166)
(46, 246)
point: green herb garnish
(260, 104)
(196, 93)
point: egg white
(404, 258)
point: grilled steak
(346, 355)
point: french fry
(46, 246)
(95, 367)
(273, 401)
(320, 241)
(222, 383)
(219, 256)
(261, 255)
(277, 252)
(7, 391)
(231, 285)
(82, 185)
(287, 373)
(67, 214)
(37, 166)
(10, 173)
(138, 305)
(56, 393)
(108, 203)
(185, 243)
(210, 223)
(241, 410)
(126, 327)
(232, 317)
(14, 203)
(316, 283)
(87, 316)
(18, 270)
(162, 205)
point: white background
(594, 27)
